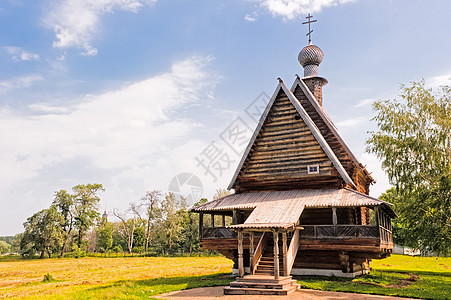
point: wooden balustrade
(259, 250)
(347, 231)
(217, 233)
(291, 253)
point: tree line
(414, 144)
(73, 226)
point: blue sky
(131, 93)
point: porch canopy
(282, 209)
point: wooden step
(254, 291)
(261, 285)
(258, 278)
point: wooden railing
(340, 231)
(292, 251)
(385, 235)
(348, 231)
(217, 233)
(259, 250)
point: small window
(313, 169)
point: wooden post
(276, 254)
(284, 253)
(234, 217)
(201, 225)
(212, 220)
(240, 254)
(223, 220)
(334, 216)
(334, 219)
(251, 252)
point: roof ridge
(318, 136)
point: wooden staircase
(262, 285)
(265, 265)
(263, 281)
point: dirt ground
(211, 293)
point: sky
(146, 94)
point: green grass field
(398, 275)
(144, 277)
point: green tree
(172, 224)
(104, 237)
(43, 233)
(139, 239)
(126, 228)
(64, 203)
(413, 143)
(86, 212)
(151, 203)
(4, 247)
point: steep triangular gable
(329, 131)
(303, 132)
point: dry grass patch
(24, 278)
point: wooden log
(240, 255)
(251, 252)
(284, 253)
(276, 254)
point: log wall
(283, 150)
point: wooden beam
(334, 219)
(276, 254)
(284, 253)
(223, 220)
(234, 217)
(201, 225)
(251, 252)
(212, 220)
(334, 216)
(240, 255)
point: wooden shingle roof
(277, 165)
(330, 132)
(285, 207)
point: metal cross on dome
(309, 17)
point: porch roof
(285, 207)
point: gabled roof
(283, 208)
(326, 119)
(311, 126)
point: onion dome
(310, 57)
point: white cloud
(76, 22)
(350, 123)
(19, 54)
(118, 129)
(131, 139)
(290, 9)
(364, 102)
(251, 17)
(19, 82)
(440, 80)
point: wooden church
(301, 203)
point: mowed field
(114, 278)
(144, 277)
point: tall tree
(43, 232)
(86, 201)
(64, 203)
(127, 226)
(4, 247)
(172, 224)
(413, 143)
(151, 203)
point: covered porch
(277, 242)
